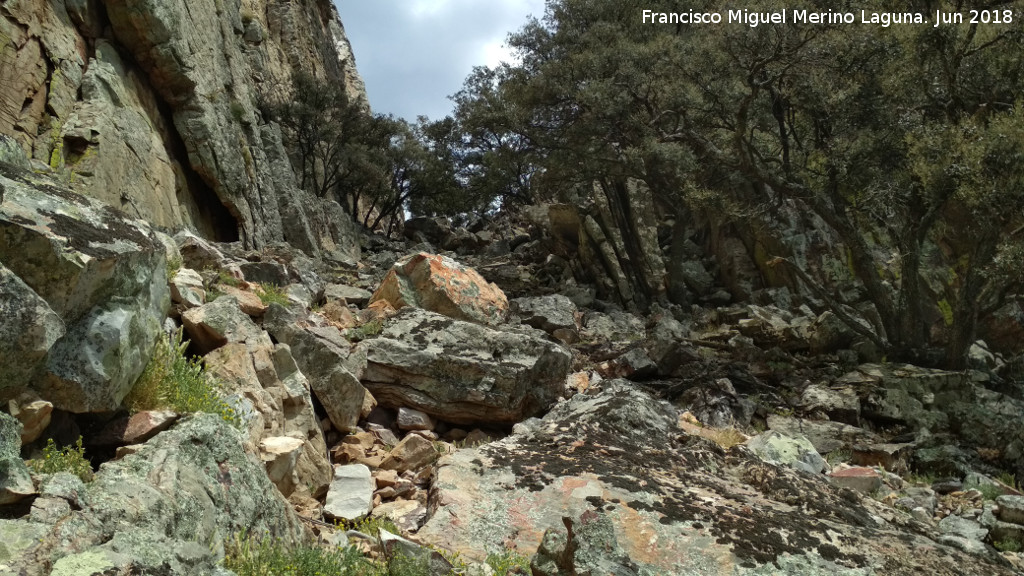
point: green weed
(1007, 545)
(174, 381)
(507, 563)
(68, 459)
(256, 557)
(272, 294)
(365, 332)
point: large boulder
(272, 398)
(169, 508)
(605, 484)
(322, 353)
(442, 285)
(100, 295)
(462, 372)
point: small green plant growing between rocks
(227, 279)
(68, 459)
(371, 526)
(175, 381)
(272, 294)
(365, 332)
(263, 557)
(508, 562)
(1007, 545)
(836, 456)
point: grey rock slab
(409, 419)
(15, 480)
(548, 313)
(1011, 509)
(215, 324)
(462, 372)
(957, 526)
(644, 500)
(794, 451)
(350, 294)
(350, 496)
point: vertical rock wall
(152, 106)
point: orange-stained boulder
(440, 284)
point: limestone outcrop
(154, 107)
(604, 483)
(168, 508)
(84, 295)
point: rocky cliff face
(153, 107)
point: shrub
(175, 381)
(508, 562)
(272, 294)
(68, 459)
(1007, 545)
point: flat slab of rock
(650, 502)
(863, 480)
(794, 451)
(462, 372)
(1011, 509)
(349, 294)
(548, 313)
(442, 285)
(350, 496)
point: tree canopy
(904, 140)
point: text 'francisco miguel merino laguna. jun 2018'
(884, 19)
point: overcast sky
(413, 54)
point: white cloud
(414, 53)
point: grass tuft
(272, 294)
(174, 381)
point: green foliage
(369, 330)
(375, 166)
(1007, 545)
(898, 139)
(263, 557)
(174, 381)
(227, 279)
(836, 456)
(272, 294)
(68, 459)
(372, 525)
(508, 562)
(1009, 479)
(947, 311)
